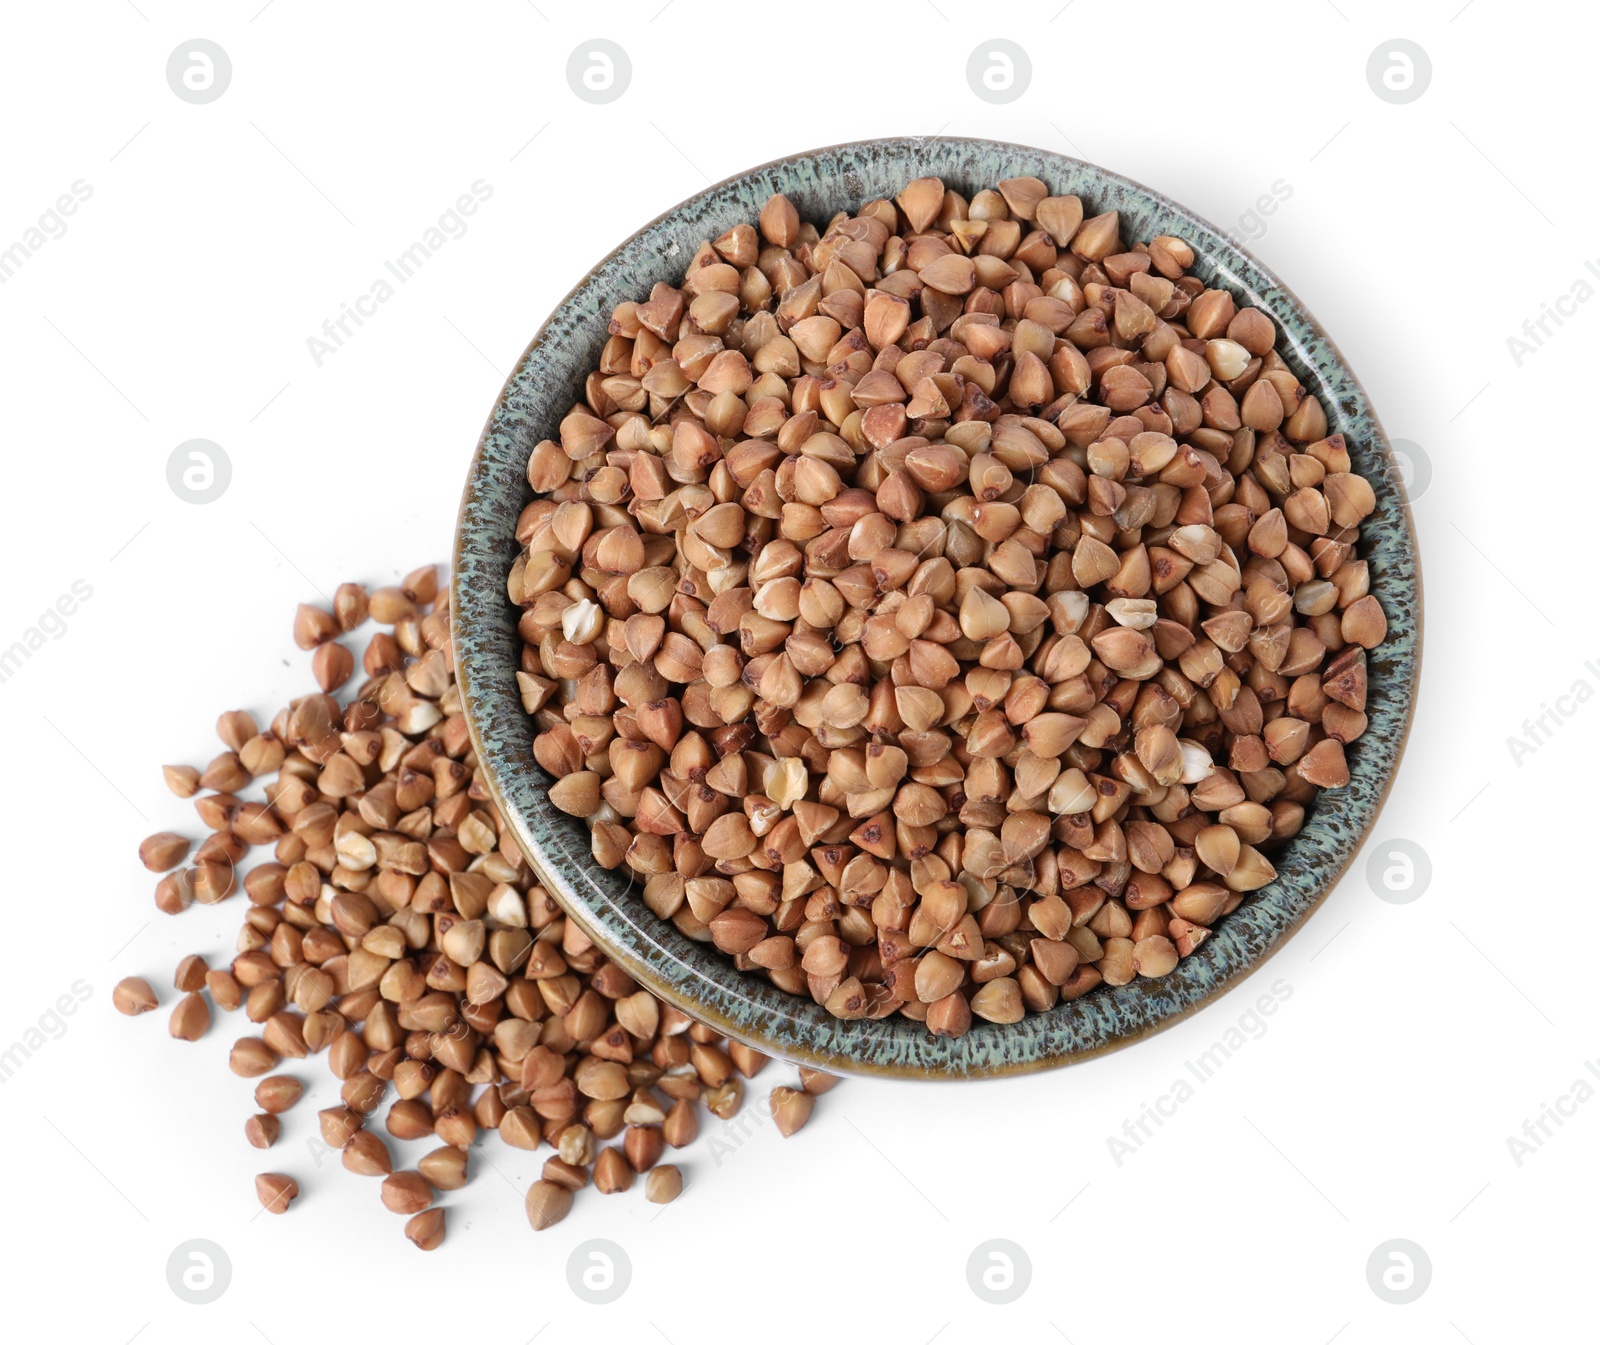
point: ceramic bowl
(695, 976)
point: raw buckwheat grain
(397, 931)
(946, 610)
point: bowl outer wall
(696, 977)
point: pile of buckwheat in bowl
(945, 611)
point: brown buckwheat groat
(946, 611)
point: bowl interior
(696, 977)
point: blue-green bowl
(696, 977)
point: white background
(1416, 1037)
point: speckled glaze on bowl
(696, 977)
